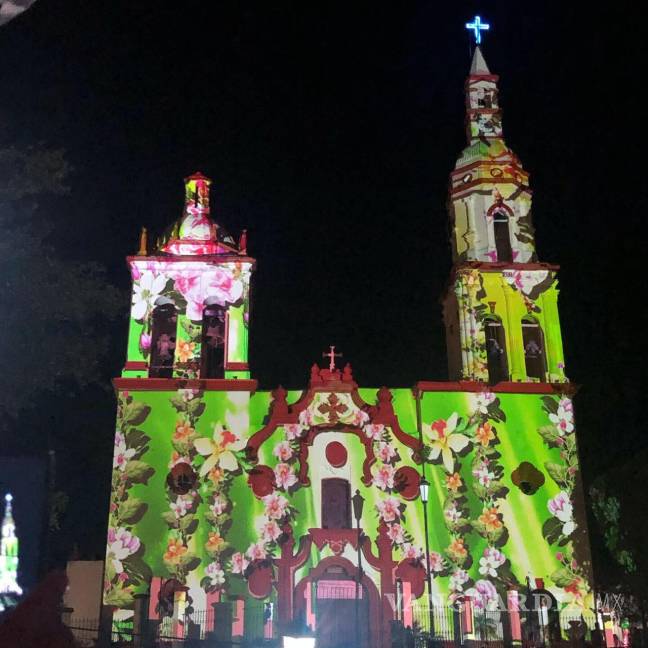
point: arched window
(336, 504)
(163, 340)
(534, 349)
(212, 353)
(502, 235)
(496, 350)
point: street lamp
(424, 492)
(358, 504)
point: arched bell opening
(164, 320)
(213, 334)
(535, 358)
(502, 234)
(496, 350)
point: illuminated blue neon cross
(477, 26)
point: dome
(195, 233)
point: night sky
(329, 130)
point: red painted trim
(498, 266)
(173, 384)
(136, 365)
(219, 245)
(507, 159)
(341, 537)
(307, 441)
(213, 259)
(287, 565)
(226, 340)
(502, 387)
(502, 180)
(482, 111)
(474, 78)
(500, 205)
(237, 366)
(281, 413)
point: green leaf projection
(234, 506)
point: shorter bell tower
(190, 300)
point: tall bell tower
(500, 311)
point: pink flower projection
(384, 477)
(561, 508)
(385, 452)
(122, 454)
(293, 431)
(257, 551)
(121, 544)
(283, 451)
(276, 506)
(284, 476)
(389, 509)
(196, 282)
(239, 563)
(396, 533)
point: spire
(484, 118)
(9, 553)
(478, 66)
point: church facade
(225, 494)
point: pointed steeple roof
(478, 66)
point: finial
(243, 242)
(143, 243)
(477, 26)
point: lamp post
(424, 492)
(358, 503)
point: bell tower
(500, 312)
(190, 300)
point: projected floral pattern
(469, 290)
(125, 567)
(561, 528)
(466, 450)
(188, 287)
(448, 441)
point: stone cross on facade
(331, 355)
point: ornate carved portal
(325, 597)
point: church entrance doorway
(335, 612)
(327, 598)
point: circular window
(336, 454)
(496, 173)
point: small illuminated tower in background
(9, 553)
